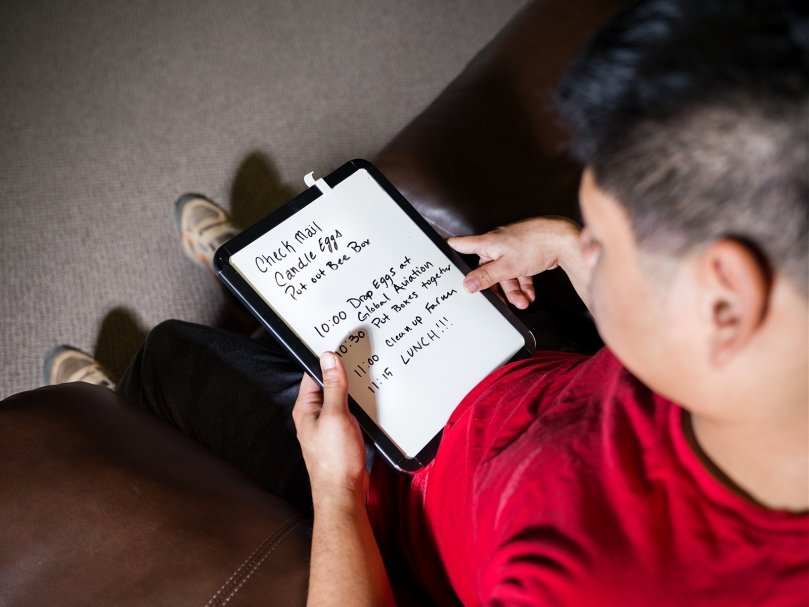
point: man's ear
(736, 283)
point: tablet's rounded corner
(361, 163)
(409, 466)
(401, 463)
(530, 342)
(221, 259)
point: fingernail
(471, 285)
(328, 361)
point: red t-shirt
(562, 480)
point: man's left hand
(329, 435)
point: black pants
(235, 395)
(232, 393)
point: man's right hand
(511, 255)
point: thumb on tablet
(335, 384)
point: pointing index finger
(467, 244)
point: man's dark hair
(694, 115)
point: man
(671, 468)
(572, 481)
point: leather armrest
(102, 503)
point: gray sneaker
(203, 226)
(66, 364)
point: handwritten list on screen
(353, 274)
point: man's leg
(230, 392)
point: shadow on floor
(257, 190)
(118, 340)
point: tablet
(349, 266)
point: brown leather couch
(103, 504)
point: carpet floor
(111, 110)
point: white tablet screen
(352, 273)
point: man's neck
(765, 461)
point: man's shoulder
(560, 403)
(550, 384)
(566, 407)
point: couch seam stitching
(263, 558)
(247, 562)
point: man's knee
(166, 342)
(165, 336)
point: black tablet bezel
(292, 343)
